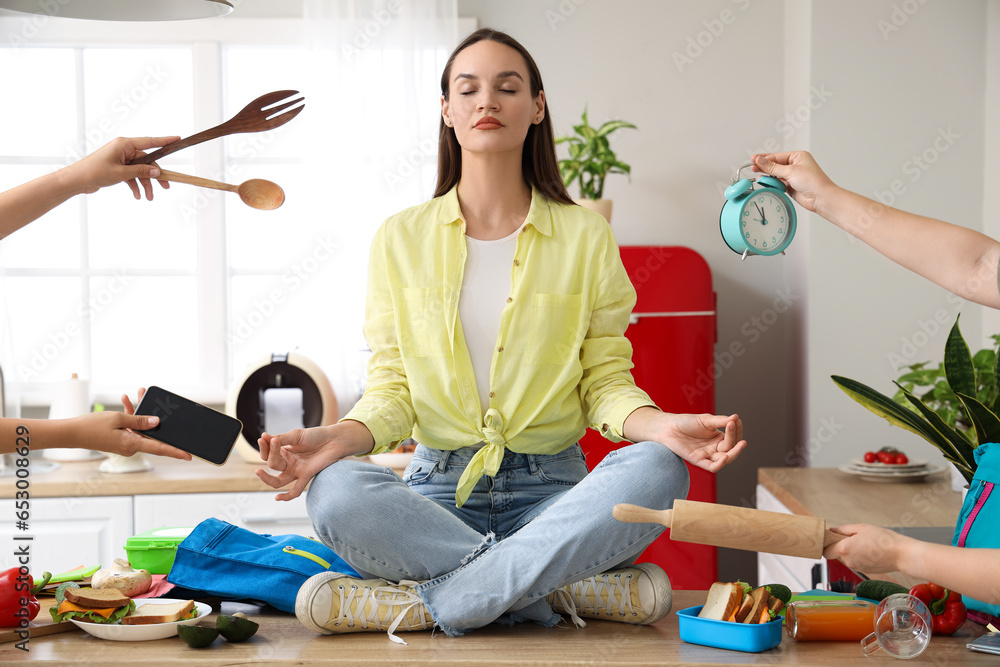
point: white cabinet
(68, 532)
(257, 511)
(794, 572)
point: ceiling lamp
(123, 10)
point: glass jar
(829, 620)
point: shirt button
(517, 263)
(492, 394)
(500, 349)
(509, 299)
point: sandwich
(93, 605)
(738, 603)
(724, 601)
(147, 614)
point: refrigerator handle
(634, 318)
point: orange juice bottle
(830, 620)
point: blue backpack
(979, 521)
(232, 563)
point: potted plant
(957, 414)
(591, 160)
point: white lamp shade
(123, 10)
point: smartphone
(198, 430)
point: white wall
(835, 77)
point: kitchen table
(282, 640)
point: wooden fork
(254, 117)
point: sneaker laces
(389, 607)
(609, 593)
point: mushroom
(123, 577)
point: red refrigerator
(673, 337)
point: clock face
(765, 221)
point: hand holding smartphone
(199, 430)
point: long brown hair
(538, 160)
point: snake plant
(976, 402)
(591, 158)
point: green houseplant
(956, 414)
(591, 160)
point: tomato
(886, 457)
(870, 457)
(900, 459)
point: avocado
(197, 636)
(236, 628)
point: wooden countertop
(840, 498)
(282, 639)
(82, 478)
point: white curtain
(373, 108)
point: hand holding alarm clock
(757, 221)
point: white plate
(891, 476)
(914, 464)
(141, 633)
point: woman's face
(489, 99)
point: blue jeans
(541, 523)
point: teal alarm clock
(757, 220)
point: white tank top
(485, 289)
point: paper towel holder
(288, 370)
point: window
(179, 291)
(188, 290)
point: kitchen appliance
(278, 393)
(673, 335)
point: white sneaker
(334, 603)
(639, 594)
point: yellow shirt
(561, 362)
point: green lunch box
(154, 550)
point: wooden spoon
(255, 193)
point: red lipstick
(488, 123)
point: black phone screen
(199, 430)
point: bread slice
(158, 613)
(723, 600)
(744, 609)
(96, 598)
(758, 611)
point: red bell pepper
(946, 607)
(18, 604)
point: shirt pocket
(556, 329)
(422, 330)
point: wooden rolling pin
(737, 527)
